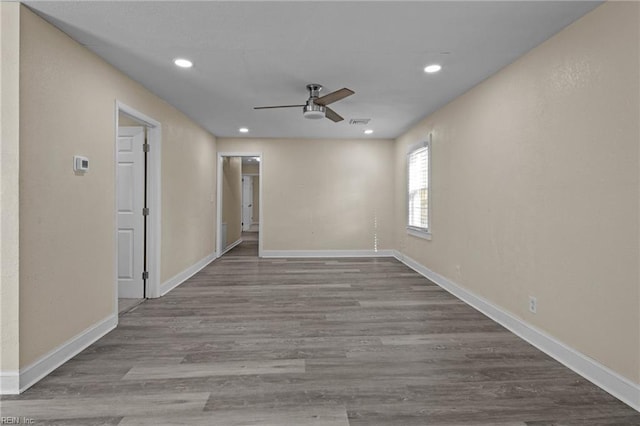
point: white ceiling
(250, 54)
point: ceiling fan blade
(333, 97)
(332, 115)
(279, 106)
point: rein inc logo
(17, 421)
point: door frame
(154, 190)
(221, 155)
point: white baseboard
(232, 245)
(602, 376)
(178, 279)
(328, 253)
(33, 373)
(9, 383)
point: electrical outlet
(533, 304)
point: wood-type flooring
(298, 342)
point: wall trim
(35, 372)
(9, 383)
(328, 253)
(600, 375)
(232, 245)
(181, 277)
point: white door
(247, 202)
(130, 201)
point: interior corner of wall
(9, 186)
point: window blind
(418, 188)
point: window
(418, 167)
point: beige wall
(232, 197)
(9, 190)
(323, 194)
(67, 222)
(535, 188)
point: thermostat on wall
(80, 163)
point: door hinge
(145, 211)
(145, 275)
(146, 147)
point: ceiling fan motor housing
(311, 109)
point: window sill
(420, 234)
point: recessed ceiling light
(243, 130)
(368, 132)
(432, 68)
(183, 63)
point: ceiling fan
(316, 107)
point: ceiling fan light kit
(313, 111)
(316, 107)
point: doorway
(239, 227)
(137, 206)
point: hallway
(330, 342)
(248, 247)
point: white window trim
(412, 230)
(419, 232)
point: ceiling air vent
(360, 121)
